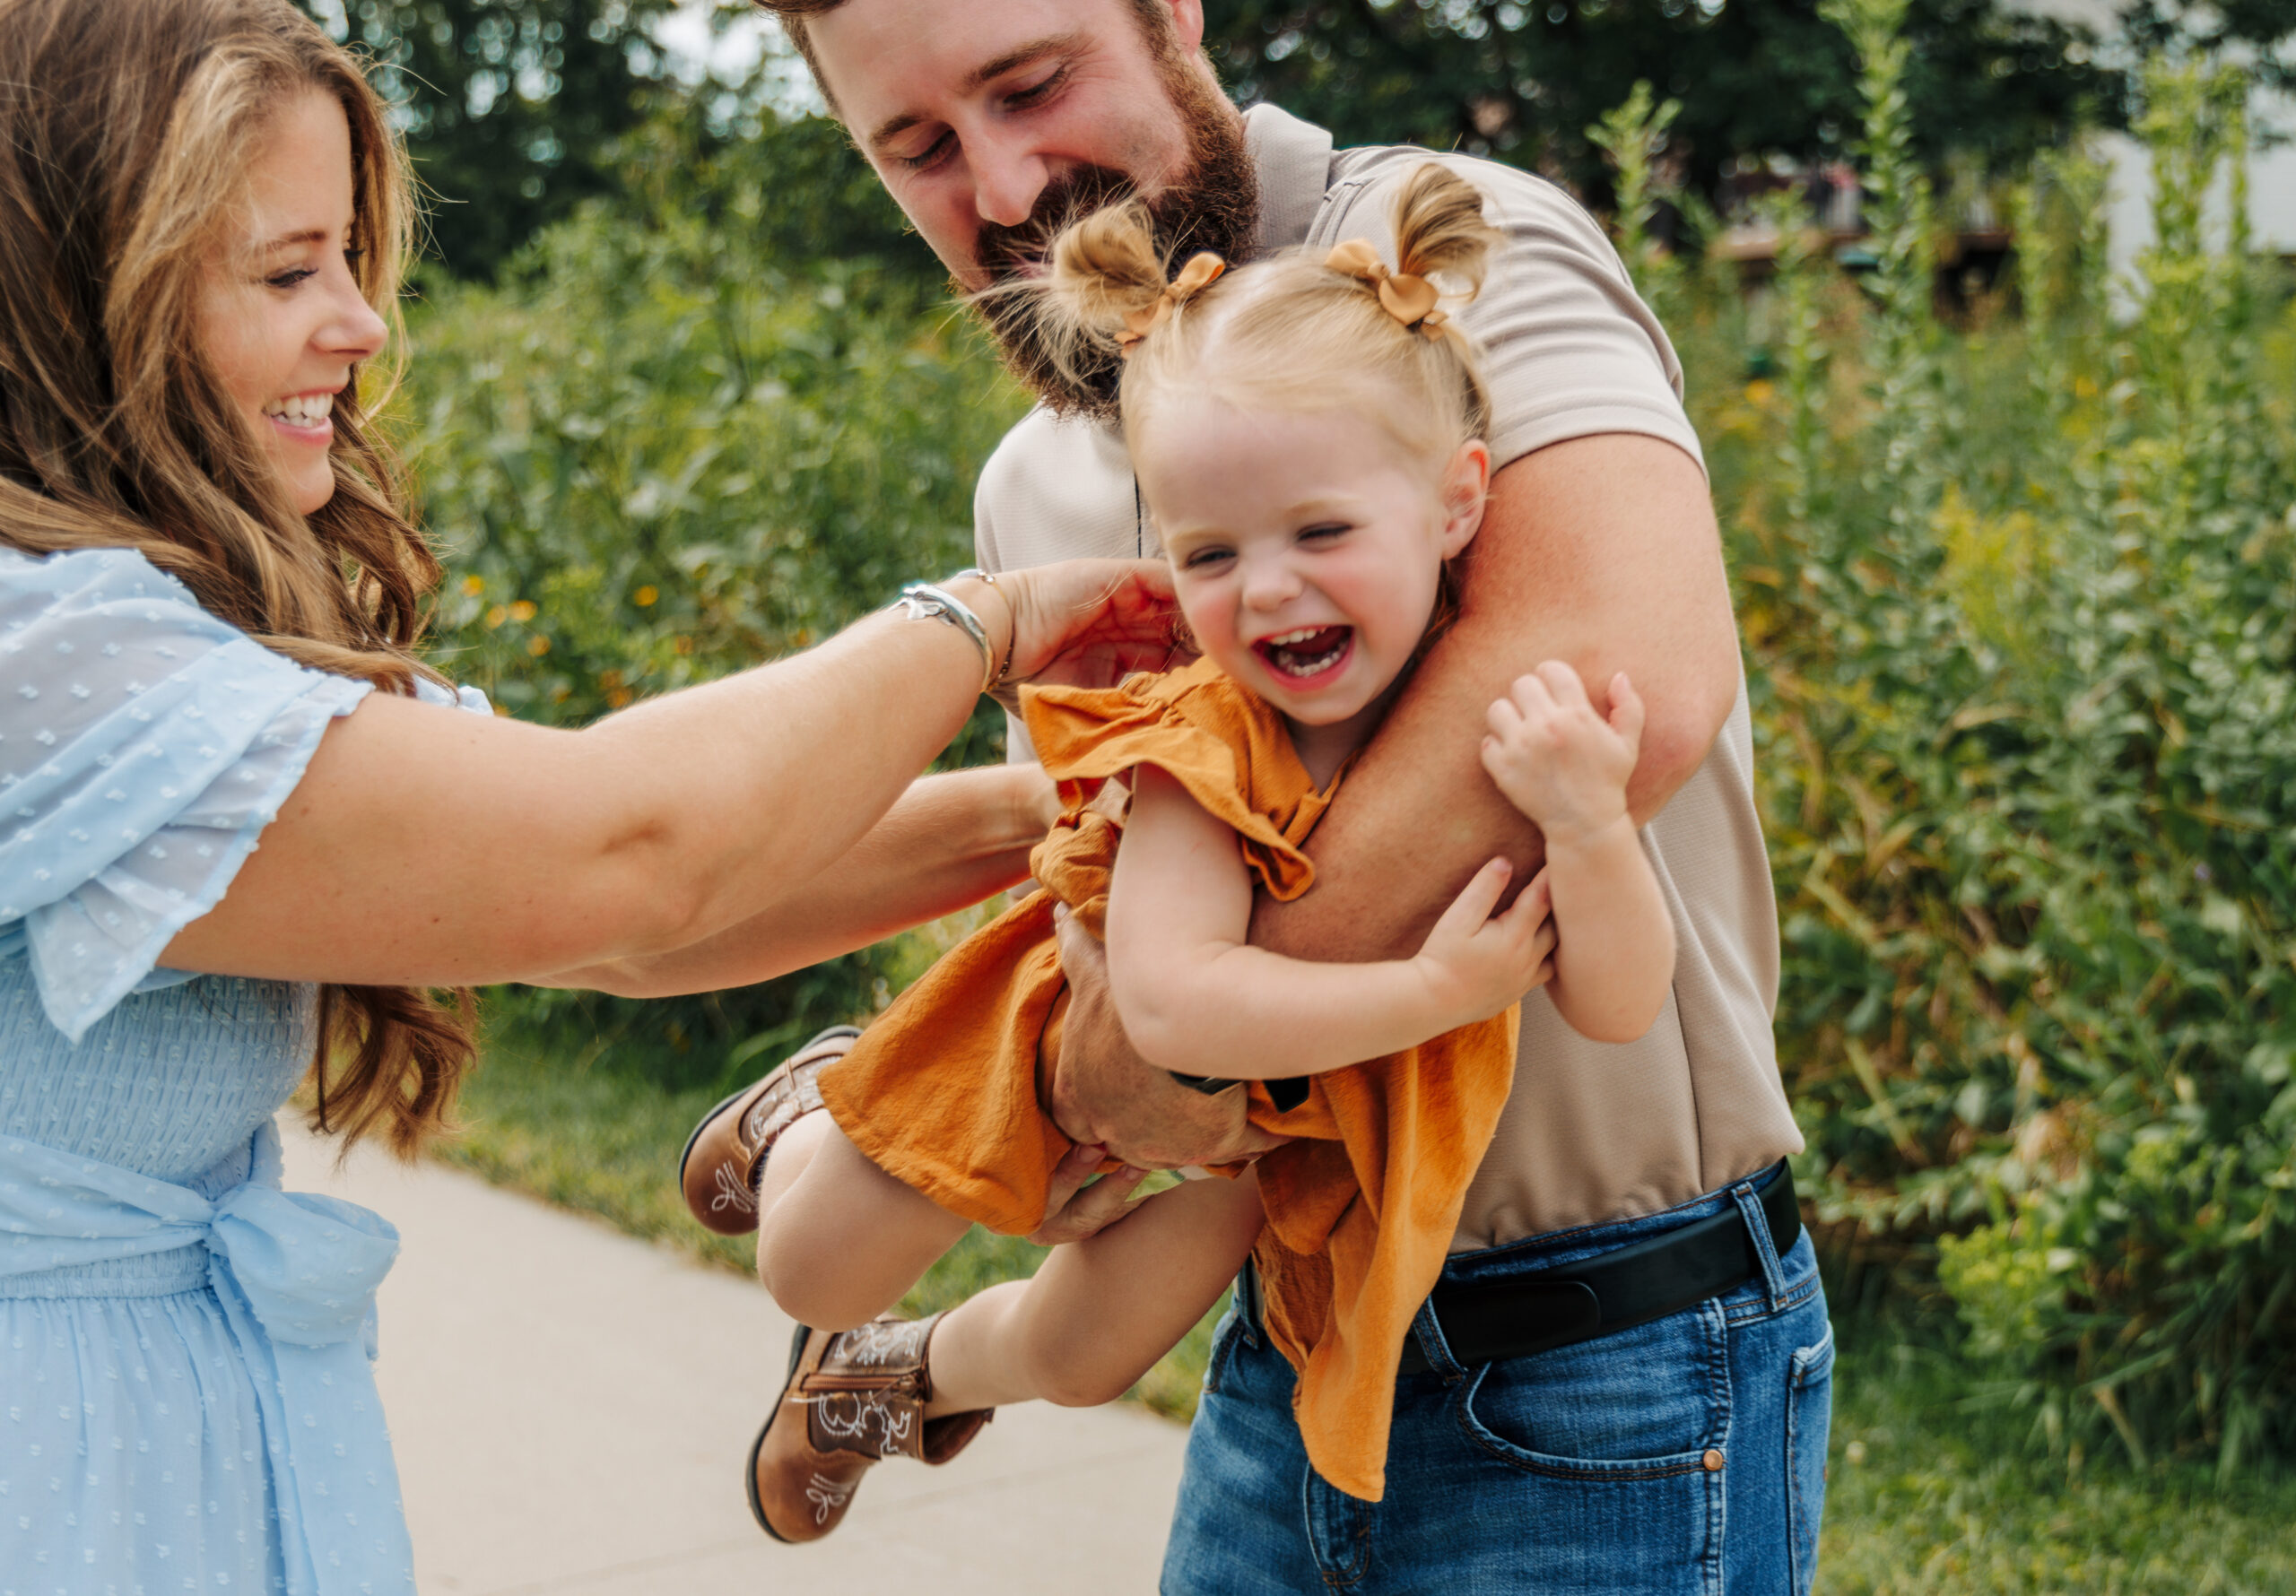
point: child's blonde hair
(1295, 332)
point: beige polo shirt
(1593, 1131)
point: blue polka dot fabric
(185, 1401)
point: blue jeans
(1686, 1457)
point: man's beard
(1212, 203)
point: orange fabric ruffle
(942, 1090)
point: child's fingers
(1626, 711)
(1531, 699)
(1531, 905)
(1473, 905)
(1562, 682)
(1529, 925)
(1503, 718)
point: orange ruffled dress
(942, 1090)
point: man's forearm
(1601, 552)
(950, 841)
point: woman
(209, 600)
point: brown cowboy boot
(719, 1170)
(852, 1396)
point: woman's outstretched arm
(428, 846)
(1198, 999)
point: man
(1623, 1383)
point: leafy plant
(673, 443)
(2020, 611)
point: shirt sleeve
(1569, 348)
(144, 746)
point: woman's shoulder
(109, 590)
(127, 572)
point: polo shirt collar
(1293, 160)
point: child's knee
(805, 1280)
(1069, 1386)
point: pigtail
(1104, 270)
(1101, 272)
(1441, 230)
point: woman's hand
(1475, 962)
(1082, 623)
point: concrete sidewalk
(571, 1408)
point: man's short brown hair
(1154, 16)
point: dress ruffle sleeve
(144, 744)
(1085, 736)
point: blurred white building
(2272, 170)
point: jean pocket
(1649, 1401)
(1612, 1452)
(1809, 1421)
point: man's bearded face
(1212, 203)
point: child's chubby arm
(1565, 766)
(1197, 999)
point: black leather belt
(1286, 1093)
(1487, 1321)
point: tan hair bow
(1409, 299)
(1194, 279)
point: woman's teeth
(304, 410)
(1308, 651)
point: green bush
(2017, 599)
(673, 443)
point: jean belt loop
(1247, 1304)
(1441, 1359)
(1773, 1271)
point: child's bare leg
(839, 1240)
(1102, 1311)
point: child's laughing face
(1307, 548)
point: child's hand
(1477, 963)
(1558, 760)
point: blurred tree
(511, 106)
(1522, 79)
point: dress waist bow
(296, 1273)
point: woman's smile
(304, 418)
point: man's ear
(1466, 489)
(1187, 24)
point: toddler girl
(1311, 438)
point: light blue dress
(185, 1401)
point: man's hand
(1072, 1209)
(1104, 1094)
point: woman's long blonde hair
(127, 132)
(1288, 332)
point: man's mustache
(1005, 251)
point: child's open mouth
(1309, 654)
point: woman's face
(281, 319)
(1306, 549)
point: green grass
(1930, 1494)
(1933, 1493)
